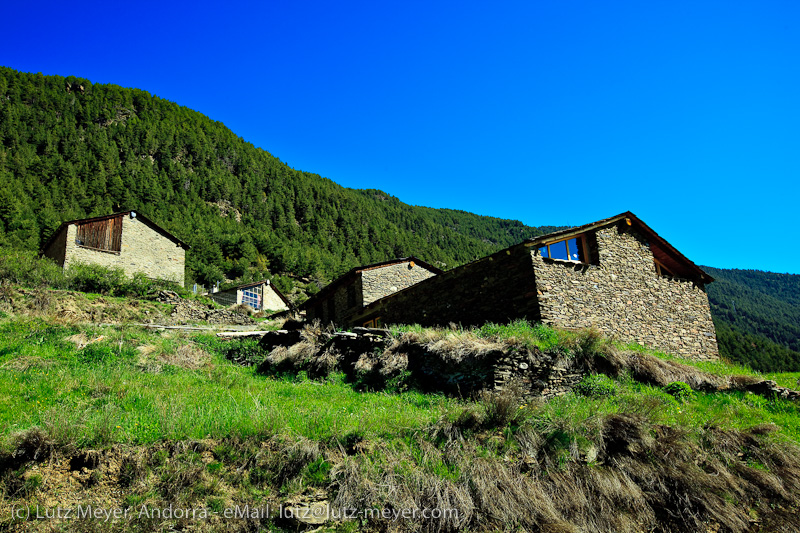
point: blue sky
(550, 112)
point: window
(573, 249)
(331, 309)
(104, 235)
(376, 322)
(351, 296)
(661, 270)
(252, 297)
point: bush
(28, 269)
(101, 352)
(95, 278)
(596, 386)
(317, 474)
(679, 390)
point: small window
(661, 270)
(573, 249)
(351, 296)
(376, 322)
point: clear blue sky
(551, 112)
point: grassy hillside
(123, 417)
(70, 148)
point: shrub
(139, 285)
(96, 278)
(29, 270)
(679, 390)
(596, 386)
(26, 268)
(243, 351)
(101, 352)
(317, 474)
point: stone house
(260, 295)
(347, 296)
(126, 240)
(616, 275)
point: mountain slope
(757, 316)
(70, 148)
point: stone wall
(342, 312)
(497, 288)
(367, 286)
(273, 302)
(623, 297)
(383, 281)
(143, 250)
(372, 357)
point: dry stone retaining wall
(370, 353)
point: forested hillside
(757, 316)
(70, 148)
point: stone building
(126, 240)
(616, 275)
(348, 295)
(260, 295)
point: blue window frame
(573, 249)
(252, 297)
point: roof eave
(563, 234)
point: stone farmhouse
(616, 275)
(260, 295)
(347, 296)
(126, 240)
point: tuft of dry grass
(34, 444)
(242, 309)
(189, 356)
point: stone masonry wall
(143, 250)
(379, 282)
(341, 312)
(497, 288)
(272, 301)
(624, 298)
(369, 285)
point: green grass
(578, 415)
(280, 437)
(104, 393)
(101, 394)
